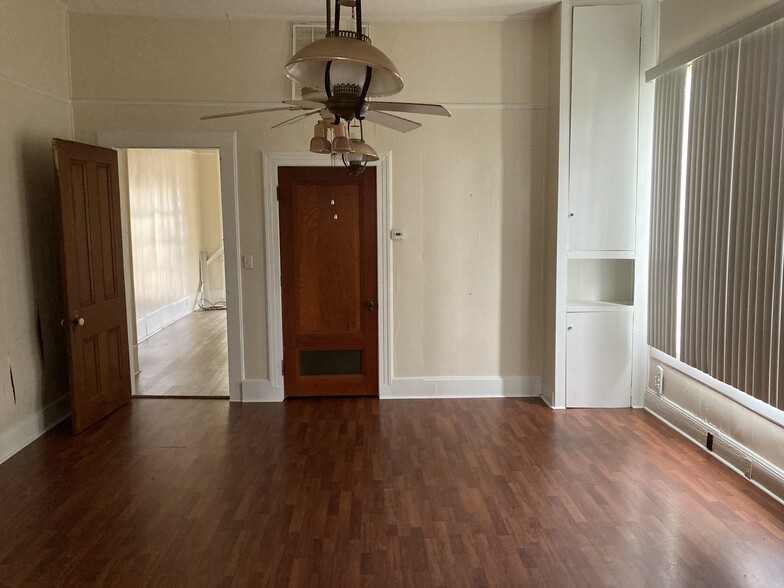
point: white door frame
(272, 161)
(226, 143)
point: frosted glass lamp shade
(341, 143)
(320, 143)
(350, 59)
(363, 153)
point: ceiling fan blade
(391, 121)
(297, 118)
(410, 107)
(254, 111)
(305, 103)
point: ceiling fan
(339, 75)
(314, 102)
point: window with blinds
(717, 229)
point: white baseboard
(460, 387)
(737, 457)
(32, 427)
(150, 324)
(464, 387)
(260, 391)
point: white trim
(260, 391)
(737, 31)
(30, 428)
(763, 409)
(726, 449)
(271, 162)
(227, 144)
(465, 387)
(148, 325)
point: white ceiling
(373, 10)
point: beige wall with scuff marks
(682, 23)
(34, 108)
(469, 190)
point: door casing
(271, 163)
(226, 143)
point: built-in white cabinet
(603, 128)
(599, 357)
(598, 130)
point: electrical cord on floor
(203, 301)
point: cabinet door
(599, 359)
(603, 152)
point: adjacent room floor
(362, 492)
(187, 358)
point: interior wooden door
(329, 281)
(95, 316)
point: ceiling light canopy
(346, 66)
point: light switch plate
(247, 261)
(397, 234)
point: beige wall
(167, 223)
(212, 218)
(34, 108)
(551, 212)
(686, 22)
(467, 190)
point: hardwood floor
(362, 492)
(188, 358)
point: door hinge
(282, 368)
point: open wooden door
(95, 316)
(329, 281)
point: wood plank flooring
(362, 492)
(188, 358)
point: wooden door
(95, 316)
(329, 281)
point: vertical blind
(732, 264)
(667, 156)
(708, 199)
(756, 230)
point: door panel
(329, 281)
(598, 359)
(92, 272)
(327, 231)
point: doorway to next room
(178, 290)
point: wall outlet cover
(658, 381)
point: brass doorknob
(371, 305)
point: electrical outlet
(658, 381)
(748, 469)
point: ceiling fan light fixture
(341, 144)
(350, 59)
(357, 161)
(345, 65)
(320, 141)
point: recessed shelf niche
(600, 284)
